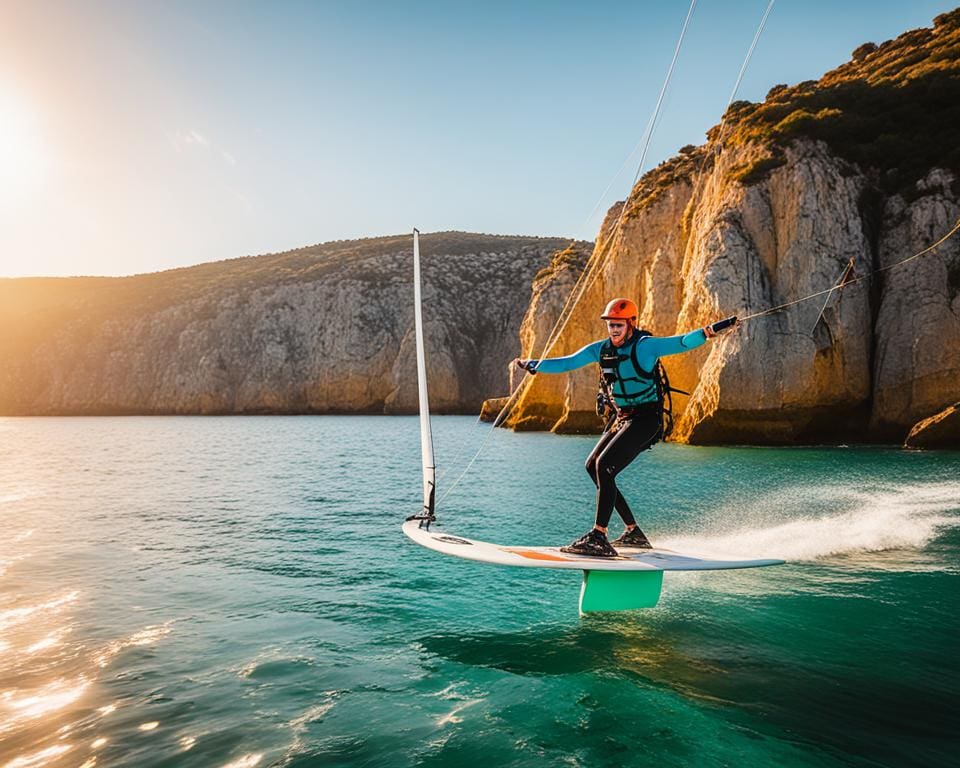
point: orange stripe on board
(530, 554)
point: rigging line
(580, 230)
(448, 467)
(559, 326)
(718, 142)
(575, 293)
(651, 124)
(928, 249)
(453, 462)
(746, 61)
(596, 263)
(841, 282)
(486, 438)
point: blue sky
(139, 136)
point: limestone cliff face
(918, 324)
(319, 330)
(885, 354)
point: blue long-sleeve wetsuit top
(646, 350)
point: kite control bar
(722, 325)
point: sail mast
(426, 437)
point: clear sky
(139, 136)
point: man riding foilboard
(633, 386)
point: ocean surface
(237, 592)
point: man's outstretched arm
(584, 356)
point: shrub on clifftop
(894, 107)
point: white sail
(426, 437)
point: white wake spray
(863, 521)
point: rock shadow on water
(596, 646)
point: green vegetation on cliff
(574, 256)
(893, 109)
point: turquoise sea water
(237, 592)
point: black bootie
(593, 543)
(633, 538)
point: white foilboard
(552, 557)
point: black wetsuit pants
(614, 451)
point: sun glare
(22, 157)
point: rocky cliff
(863, 165)
(318, 330)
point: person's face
(618, 331)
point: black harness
(612, 382)
(612, 358)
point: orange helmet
(620, 309)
